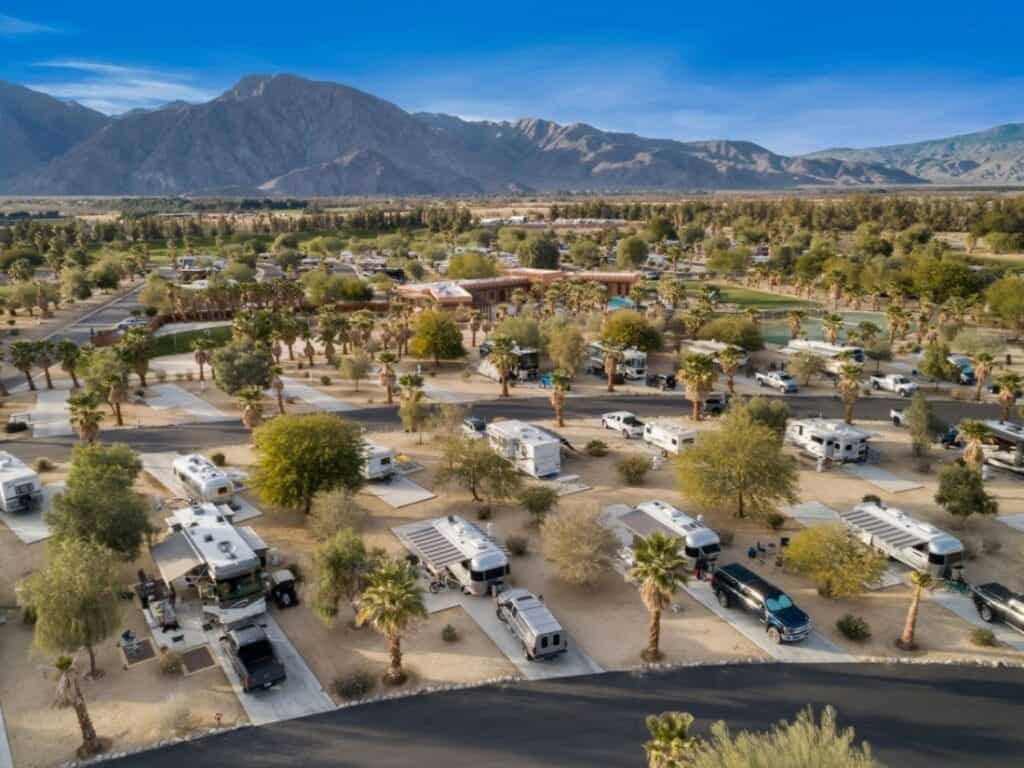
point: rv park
(259, 436)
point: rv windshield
(778, 603)
(239, 587)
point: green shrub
(775, 520)
(853, 627)
(354, 685)
(633, 469)
(42, 464)
(325, 380)
(517, 545)
(484, 512)
(983, 636)
(28, 615)
(218, 458)
(596, 448)
(538, 500)
(449, 634)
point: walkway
(168, 397)
(314, 397)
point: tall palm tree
(796, 321)
(983, 363)
(659, 571)
(392, 600)
(250, 399)
(202, 349)
(831, 325)
(897, 319)
(613, 354)
(22, 355)
(474, 325)
(559, 385)
(698, 373)
(1009, 384)
(729, 361)
(973, 433)
(387, 360)
(670, 741)
(504, 360)
(921, 581)
(69, 694)
(46, 356)
(69, 354)
(277, 384)
(849, 388)
(85, 415)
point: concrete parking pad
(811, 513)
(50, 416)
(6, 758)
(165, 397)
(439, 395)
(963, 606)
(172, 328)
(298, 696)
(881, 478)
(1013, 521)
(159, 466)
(398, 492)
(314, 397)
(30, 527)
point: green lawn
(748, 297)
(182, 342)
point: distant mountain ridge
(286, 135)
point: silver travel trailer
(538, 631)
(380, 462)
(223, 562)
(532, 450)
(1008, 451)
(830, 439)
(920, 545)
(633, 364)
(670, 438)
(203, 479)
(455, 548)
(22, 489)
(713, 349)
(699, 541)
(824, 349)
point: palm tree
(69, 353)
(559, 384)
(250, 399)
(474, 325)
(23, 357)
(796, 321)
(387, 373)
(698, 374)
(69, 694)
(503, 358)
(659, 571)
(392, 600)
(117, 393)
(670, 740)
(85, 415)
(202, 347)
(831, 325)
(849, 388)
(753, 315)
(729, 361)
(920, 580)
(1009, 385)
(983, 363)
(277, 384)
(973, 433)
(46, 356)
(897, 318)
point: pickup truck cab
(779, 380)
(898, 416)
(474, 427)
(716, 403)
(735, 585)
(965, 371)
(894, 382)
(625, 422)
(662, 381)
(252, 656)
(997, 603)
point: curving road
(913, 716)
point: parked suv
(735, 585)
(997, 603)
(662, 381)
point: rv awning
(642, 524)
(174, 557)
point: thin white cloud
(114, 88)
(11, 26)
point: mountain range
(289, 136)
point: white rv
(533, 451)
(380, 461)
(203, 479)
(920, 545)
(537, 629)
(223, 562)
(713, 349)
(670, 438)
(699, 541)
(21, 487)
(632, 366)
(451, 546)
(1008, 451)
(830, 439)
(824, 349)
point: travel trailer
(203, 480)
(713, 349)
(824, 349)
(670, 438)
(536, 628)
(455, 548)
(380, 461)
(632, 366)
(225, 563)
(1008, 451)
(830, 439)
(699, 541)
(527, 365)
(532, 450)
(920, 545)
(22, 489)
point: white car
(625, 422)
(779, 380)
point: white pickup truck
(894, 382)
(779, 380)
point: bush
(354, 685)
(538, 500)
(633, 469)
(853, 627)
(484, 512)
(325, 380)
(726, 536)
(775, 520)
(218, 458)
(596, 448)
(170, 662)
(28, 615)
(580, 545)
(871, 498)
(333, 511)
(983, 636)
(449, 634)
(42, 464)
(517, 545)
(161, 375)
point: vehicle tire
(723, 598)
(875, 386)
(434, 587)
(774, 635)
(625, 434)
(761, 383)
(986, 613)
(896, 421)
(604, 424)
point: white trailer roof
(215, 540)
(521, 431)
(894, 527)
(442, 541)
(533, 612)
(13, 468)
(651, 516)
(835, 427)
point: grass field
(182, 342)
(748, 297)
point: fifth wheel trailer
(21, 486)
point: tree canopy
(838, 564)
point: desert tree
(806, 366)
(46, 356)
(698, 374)
(436, 336)
(85, 415)
(1010, 384)
(412, 411)
(659, 573)
(22, 355)
(339, 569)
(250, 401)
(974, 433)
(202, 351)
(68, 695)
(538, 500)
(387, 360)
(983, 362)
(69, 354)
(962, 492)
(355, 367)
(839, 565)
(670, 742)
(559, 386)
(849, 385)
(474, 466)
(580, 545)
(504, 359)
(136, 349)
(277, 384)
(392, 601)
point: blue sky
(794, 78)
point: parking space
(159, 467)
(167, 397)
(963, 606)
(30, 527)
(398, 492)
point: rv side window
(936, 559)
(692, 552)
(817, 440)
(555, 640)
(221, 491)
(674, 441)
(385, 461)
(544, 642)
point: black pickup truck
(252, 655)
(735, 585)
(997, 603)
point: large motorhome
(533, 451)
(527, 366)
(633, 364)
(452, 546)
(670, 438)
(920, 545)
(699, 541)
(1008, 451)
(22, 489)
(713, 349)
(224, 562)
(824, 349)
(829, 439)
(203, 480)
(537, 629)
(380, 461)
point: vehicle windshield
(785, 377)
(778, 603)
(632, 421)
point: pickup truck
(898, 416)
(997, 603)
(779, 380)
(735, 585)
(894, 382)
(625, 422)
(252, 656)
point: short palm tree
(277, 384)
(831, 325)
(612, 357)
(117, 393)
(659, 571)
(849, 388)
(503, 358)
(983, 363)
(202, 349)
(729, 361)
(69, 694)
(85, 415)
(250, 399)
(22, 355)
(1010, 384)
(796, 322)
(387, 360)
(670, 740)
(921, 581)
(973, 432)
(392, 600)
(698, 373)
(69, 354)
(559, 385)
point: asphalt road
(912, 715)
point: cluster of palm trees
(25, 356)
(221, 299)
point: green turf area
(176, 343)
(748, 297)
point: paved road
(911, 715)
